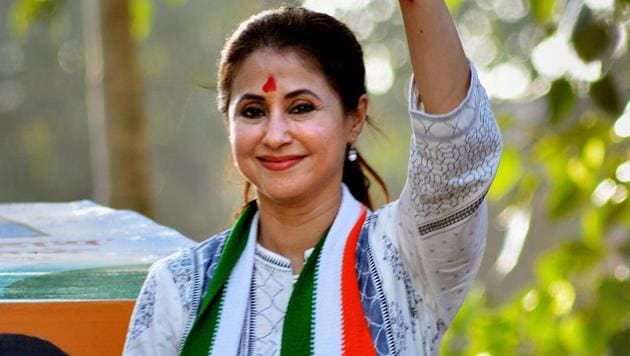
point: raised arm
(440, 68)
(432, 239)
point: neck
(291, 228)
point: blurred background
(113, 101)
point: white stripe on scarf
(234, 309)
(327, 291)
(328, 312)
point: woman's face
(288, 130)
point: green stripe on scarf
(296, 332)
(200, 340)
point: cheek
(329, 137)
(240, 139)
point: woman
(307, 268)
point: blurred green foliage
(542, 10)
(579, 300)
(141, 12)
(24, 12)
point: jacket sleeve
(158, 315)
(438, 226)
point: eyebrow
(290, 95)
(251, 97)
(301, 92)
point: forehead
(288, 67)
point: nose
(277, 131)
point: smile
(279, 163)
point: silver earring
(352, 154)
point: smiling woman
(289, 143)
(308, 267)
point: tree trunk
(129, 168)
(95, 101)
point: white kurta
(273, 285)
(417, 256)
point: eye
(252, 112)
(302, 108)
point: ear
(357, 119)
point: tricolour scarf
(324, 316)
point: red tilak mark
(270, 86)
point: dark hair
(327, 43)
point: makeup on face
(288, 131)
(280, 163)
(270, 85)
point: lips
(280, 163)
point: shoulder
(171, 292)
(207, 252)
(211, 247)
(179, 268)
(203, 252)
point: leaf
(509, 172)
(614, 299)
(141, 13)
(546, 338)
(563, 295)
(564, 195)
(592, 227)
(494, 333)
(624, 248)
(590, 35)
(23, 13)
(455, 340)
(594, 152)
(605, 94)
(561, 99)
(527, 188)
(565, 260)
(505, 121)
(573, 333)
(563, 198)
(453, 5)
(620, 343)
(542, 10)
(581, 176)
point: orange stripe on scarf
(356, 338)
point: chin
(282, 194)
(282, 191)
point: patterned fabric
(328, 294)
(372, 292)
(273, 284)
(415, 259)
(181, 271)
(228, 291)
(144, 310)
(208, 253)
(323, 316)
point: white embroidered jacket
(417, 256)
